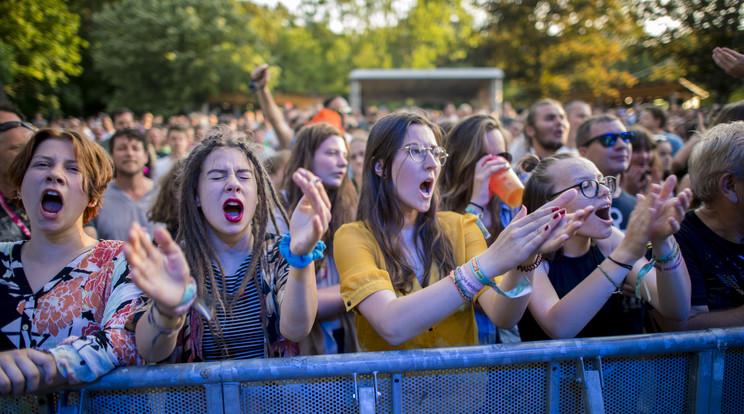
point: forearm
(716, 319)
(679, 161)
(503, 311)
(399, 319)
(330, 303)
(299, 304)
(272, 112)
(152, 344)
(669, 284)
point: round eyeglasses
(418, 152)
(590, 188)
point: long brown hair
(380, 210)
(466, 144)
(193, 228)
(343, 199)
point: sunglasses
(5, 126)
(609, 140)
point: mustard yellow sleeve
(360, 264)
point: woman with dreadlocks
(258, 289)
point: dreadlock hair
(466, 144)
(193, 228)
(343, 199)
(380, 210)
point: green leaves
(168, 56)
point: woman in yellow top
(410, 272)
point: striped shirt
(241, 329)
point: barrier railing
(689, 372)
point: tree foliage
(549, 48)
(39, 49)
(693, 29)
(167, 56)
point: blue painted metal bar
(392, 362)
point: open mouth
(51, 203)
(427, 187)
(603, 213)
(233, 209)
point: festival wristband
(522, 289)
(300, 262)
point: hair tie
(297, 261)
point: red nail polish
(546, 228)
(563, 211)
(556, 215)
(554, 209)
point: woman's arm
(308, 223)
(162, 274)
(667, 285)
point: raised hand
(730, 61)
(22, 370)
(526, 234)
(311, 216)
(162, 273)
(672, 211)
(645, 213)
(484, 169)
(565, 229)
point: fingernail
(563, 211)
(555, 209)
(556, 215)
(546, 228)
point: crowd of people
(132, 240)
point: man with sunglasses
(604, 140)
(14, 134)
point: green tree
(552, 48)
(39, 49)
(693, 29)
(169, 56)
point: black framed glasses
(5, 126)
(609, 140)
(590, 188)
(418, 152)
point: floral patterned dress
(82, 316)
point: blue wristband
(300, 262)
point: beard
(550, 145)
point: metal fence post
(591, 388)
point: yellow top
(362, 271)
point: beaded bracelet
(296, 261)
(523, 288)
(461, 290)
(618, 290)
(531, 267)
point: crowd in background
(342, 221)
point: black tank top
(620, 315)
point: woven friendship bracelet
(618, 290)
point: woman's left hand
(311, 216)
(672, 210)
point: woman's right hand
(640, 224)
(527, 233)
(162, 273)
(25, 370)
(487, 166)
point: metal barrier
(689, 372)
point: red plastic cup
(507, 186)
